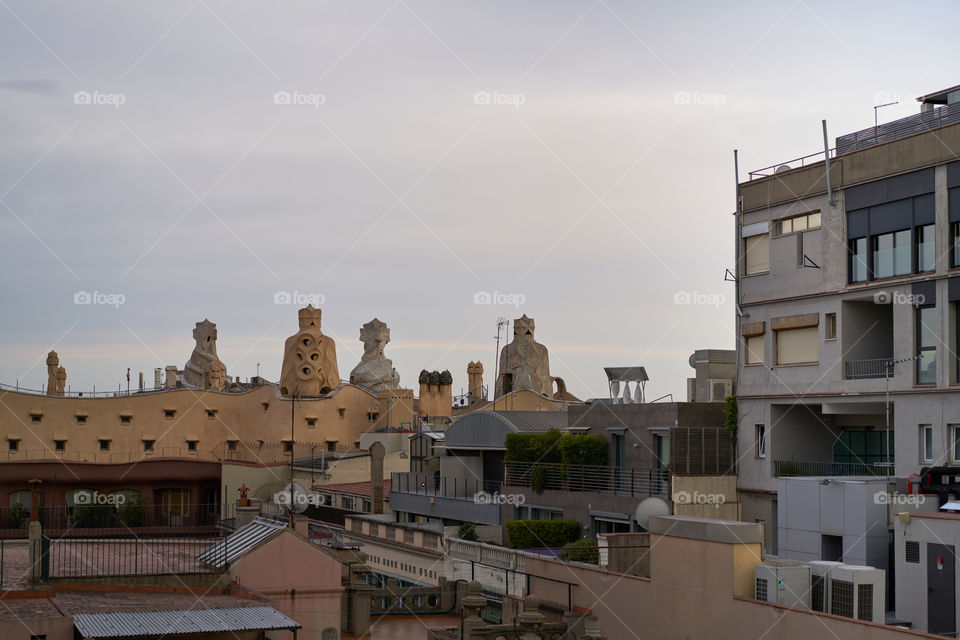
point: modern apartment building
(848, 278)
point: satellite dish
(652, 506)
(782, 168)
(293, 497)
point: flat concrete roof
(707, 529)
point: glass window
(891, 254)
(955, 244)
(927, 345)
(761, 441)
(757, 250)
(926, 256)
(926, 443)
(754, 349)
(795, 224)
(798, 346)
(830, 330)
(858, 260)
(955, 440)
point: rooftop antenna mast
(877, 108)
(501, 323)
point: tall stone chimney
(53, 361)
(376, 477)
(475, 381)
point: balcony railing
(112, 519)
(787, 468)
(873, 368)
(911, 125)
(455, 499)
(622, 481)
(428, 484)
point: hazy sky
(394, 159)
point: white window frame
(760, 432)
(926, 433)
(955, 443)
(747, 351)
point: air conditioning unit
(719, 389)
(820, 572)
(783, 582)
(858, 592)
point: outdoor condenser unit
(783, 582)
(858, 592)
(820, 571)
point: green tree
(468, 531)
(582, 550)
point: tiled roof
(126, 624)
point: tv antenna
(501, 323)
(877, 108)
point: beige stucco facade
(175, 418)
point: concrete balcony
(449, 498)
(787, 468)
(871, 368)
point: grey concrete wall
(460, 467)
(756, 506)
(808, 509)
(911, 582)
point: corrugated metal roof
(240, 541)
(138, 624)
(487, 429)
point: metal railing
(587, 478)
(871, 368)
(786, 468)
(118, 393)
(911, 125)
(97, 557)
(449, 487)
(803, 161)
(113, 520)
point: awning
(138, 624)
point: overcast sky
(193, 159)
